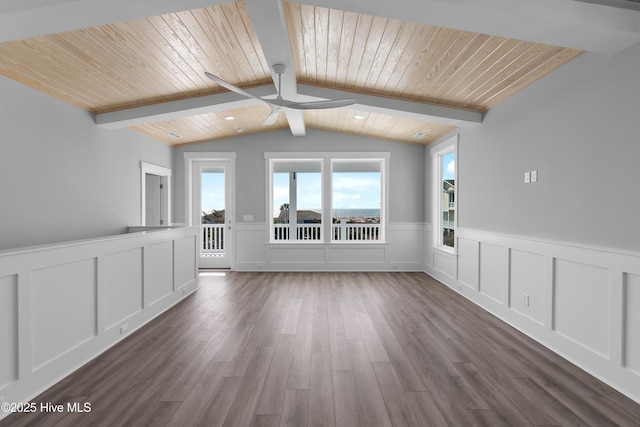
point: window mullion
(293, 207)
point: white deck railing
(212, 238)
(339, 232)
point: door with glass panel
(213, 211)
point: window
(444, 179)
(297, 200)
(356, 199)
(326, 198)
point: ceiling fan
(279, 104)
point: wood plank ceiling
(163, 58)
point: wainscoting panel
(632, 323)
(184, 262)
(58, 326)
(58, 301)
(158, 272)
(362, 254)
(526, 277)
(123, 286)
(298, 254)
(8, 329)
(493, 265)
(582, 302)
(403, 251)
(468, 263)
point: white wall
(406, 179)
(571, 241)
(62, 177)
(406, 203)
(579, 128)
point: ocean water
(356, 213)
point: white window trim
(327, 201)
(165, 174)
(437, 151)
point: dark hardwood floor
(343, 349)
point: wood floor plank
(300, 365)
(295, 410)
(244, 405)
(272, 396)
(360, 349)
(346, 400)
(400, 413)
(370, 398)
(200, 395)
(218, 406)
(321, 407)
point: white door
(153, 202)
(213, 211)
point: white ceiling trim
(182, 108)
(229, 100)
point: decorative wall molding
(403, 251)
(580, 301)
(64, 304)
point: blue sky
(350, 191)
(449, 166)
(212, 191)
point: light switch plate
(527, 177)
(534, 176)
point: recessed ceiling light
(419, 134)
(229, 118)
(239, 130)
(358, 117)
(175, 135)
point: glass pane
(212, 206)
(356, 206)
(309, 205)
(448, 198)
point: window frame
(438, 151)
(327, 160)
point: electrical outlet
(527, 177)
(124, 328)
(526, 300)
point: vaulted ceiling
(414, 78)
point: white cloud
(451, 167)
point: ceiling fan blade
(232, 88)
(319, 105)
(272, 117)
